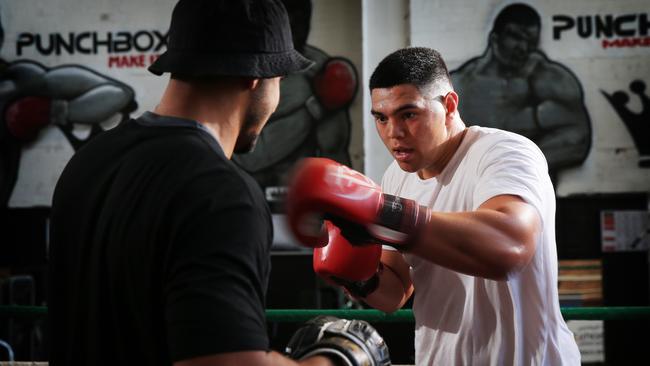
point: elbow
(389, 308)
(391, 303)
(384, 305)
(380, 304)
(511, 263)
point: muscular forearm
(392, 292)
(488, 242)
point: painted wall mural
(66, 76)
(637, 124)
(514, 86)
(571, 76)
(313, 117)
(64, 80)
(33, 97)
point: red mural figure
(312, 118)
(514, 86)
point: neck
(219, 107)
(447, 150)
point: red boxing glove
(319, 186)
(322, 188)
(25, 117)
(341, 260)
(336, 84)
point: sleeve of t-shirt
(214, 293)
(514, 167)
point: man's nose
(395, 129)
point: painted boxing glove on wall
(324, 189)
(27, 116)
(335, 85)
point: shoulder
(216, 176)
(492, 136)
(194, 162)
(508, 163)
(494, 143)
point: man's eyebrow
(397, 110)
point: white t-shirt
(467, 320)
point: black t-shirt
(159, 249)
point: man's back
(139, 221)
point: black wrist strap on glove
(357, 234)
(399, 222)
(354, 233)
(348, 342)
(361, 289)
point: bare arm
(395, 286)
(492, 242)
(497, 239)
(253, 358)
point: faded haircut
(420, 66)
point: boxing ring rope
(371, 315)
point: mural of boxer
(514, 86)
(638, 124)
(312, 118)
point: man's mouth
(402, 153)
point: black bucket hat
(230, 38)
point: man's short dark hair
(419, 66)
(520, 14)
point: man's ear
(251, 83)
(451, 103)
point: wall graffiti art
(637, 124)
(312, 118)
(33, 97)
(514, 86)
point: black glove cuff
(362, 289)
(399, 222)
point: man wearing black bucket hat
(159, 244)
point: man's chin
(409, 168)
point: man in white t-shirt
(473, 215)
